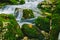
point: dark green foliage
(28, 13)
(1, 25)
(54, 33)
(55, 26)
(55, 22)
(43, 23)
(12, 2)
(9, 1)
(32, 32)
(22, 2)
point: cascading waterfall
(18, 14)
(30, 4)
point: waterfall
(29, 4)
(18, 14)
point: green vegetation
(28, 13)
(14, 1)
(11, 2)
(55, 27)
(47, 26)
(43, 23)
(22, 2)
(32, 32)
(53, 8)
(9, 28)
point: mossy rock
(32, 31)
(28, 13)
(46, 6)
(10, 29)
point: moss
(11, 28)
(28, 13)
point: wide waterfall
(29, 4)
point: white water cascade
(29, 4)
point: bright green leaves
(9, 28)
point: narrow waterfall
(18, 14)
